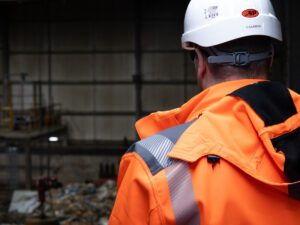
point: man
(231, 155)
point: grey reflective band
(151, 161)
(159, 147)
(154, 149)
(174, 133)
(184, 205)
(241, 58)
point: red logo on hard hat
(250, 13)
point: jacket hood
(232, 128)
(191, 110)
(236, 130)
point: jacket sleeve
(135, 203)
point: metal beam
(5, 55)
(85, 52)
(78, 150)
(137, 77)
(95, 19)
(14, 1)
(292, 47)
(20, 167)
(97, 113)
(117, 82)
(49, 40)
(28, 167)
(287, 42)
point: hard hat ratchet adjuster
(238, 58)
(241, 58)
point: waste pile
(76, 204)
(84, 204)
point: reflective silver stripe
(159, 146)
(154, 149)
(182, 194)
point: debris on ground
(75, 204)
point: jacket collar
(159, 121)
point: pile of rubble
(74, 204)
(84, 204)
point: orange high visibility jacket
(231, 155)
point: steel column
(5, 54)
(137, 78)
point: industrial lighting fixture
(53, 139)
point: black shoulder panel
(273, 103)
(270, 100)
(289, 144)
(294, 191)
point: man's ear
(201, 65)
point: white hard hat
(213, 22)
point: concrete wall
(100, 27)
(78, 28)
(88, 41)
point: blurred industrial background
(76, 75)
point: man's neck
(213, 81)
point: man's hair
(254, 44)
